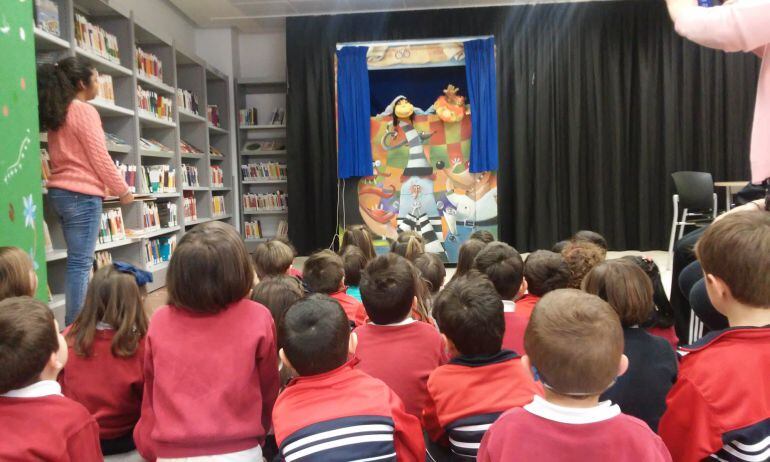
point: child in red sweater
(105, 371)
(544, 271)
(575, 346)
(333, 412)
(17, 275)
(210, 368)
(36, 421)
(719, 408)
(394, 347)
(324, 273)
(482, 380)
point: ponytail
(57, 85)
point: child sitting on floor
(105, 372)
(333, 412)
(468, 252)
(432, 271)
(272, 258)
(575, 347)
(17, 274)
(544, 272)
(37, 422)
(482, 380)
(354, 262)
(324, 273)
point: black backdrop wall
(598, 103)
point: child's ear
(623, 366)
(286, 362)
(524, 286)
(352, 343)
(717, 289)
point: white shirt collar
(572, 415)
(509, 306)
(36, 390)
(101, 325)
(406, 321)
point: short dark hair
(277, 294)
(431, 270)
(315, 334)
(354, 261)
(272, 258)
(736, 249)
(575, 341)
(591, 236)
(27, 338)
(559, 246)
(625, 287)
(483, 235)
(503, 265)
(469, 312)
(388, 288)
(545, 271)
(323, 272)
(210, 269)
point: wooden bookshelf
(125, 119)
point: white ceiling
(269, 15)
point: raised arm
(739, 26)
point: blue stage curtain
(354, 146)
(482, 92)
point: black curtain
(598, 103)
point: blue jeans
(80, 215)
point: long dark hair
(663, 315)
(57, 85)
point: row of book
(129, 174)
(217, 177)
(158, 250)
(104, 88)
(114, 139)
(283, 228)
(253, 229)
(265, 202)
(47, 16)
(278, 117)
(93, 38)
(248, 116)
(264, 170)
(190, 206)
(150, 216)
(214, 152)
(101, 259)
(187, 100)
(152, 144)
(149, 65)
(168, 214)
(45, 165)
(218, 206)
(157, 105)
(212, 114)
(188, 148)
(190, 176)
(264, 145)
(158, 179)
(111, 227)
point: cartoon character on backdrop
(450, 108)
(417, 209)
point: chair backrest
(695, 189)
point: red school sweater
(719, 407)
(210, 381)
(468, 394)
(344, 415)
(515, 325)
(47, 428)
(526, 304)
(109, 387)
(353, 308)
(402, 356)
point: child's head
(545, 271)
(354, 261)
(272, 258)
(388, 289)
(431, 270)
(468, 252)
(581, 257)
(625, 287)
(358, 236)
(469, 312)
(664, 313)
(503, 265)
(209, 270)
(593, 237)
(31, 348)
(278, 293)
(409, 245)
(323, 272)
(114, 297)
(575, 342)
(559, 246)
(315, 335)
(17, 274)
(483, 235)
(735, 255)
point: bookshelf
(154, 137)
(262, 151)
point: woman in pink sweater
(82, 171)
(742, 25)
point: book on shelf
(114, 139)
(187, 148)
(283, 228)
(190, 176)
(154, 104)
(278, 117)
(47, 16)
(45, 165)
(248, 116)
(158, 179)
(129, 174)
(252, 229)
(153, 145)
(263, 145)
(149, 65)
(47, 235)
(94, 39)
(265, 202)
(150, 216)
(104, 88)
(212, 114)
(160, 249)
(214, 152)
(111, 227)
(102, 259)
(217, 176)
(190, 206)
(187, 100)
(218, 206)
(264, 170)
(167, 214)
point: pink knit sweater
(79, 158)
(741, 26)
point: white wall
(262, 55)
(162, 19)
